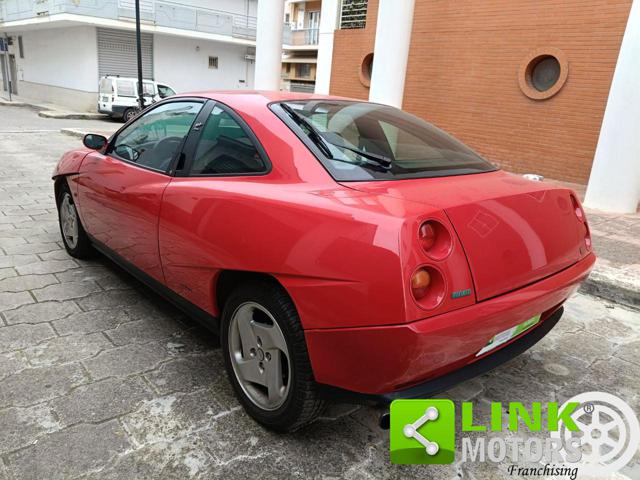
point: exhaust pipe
(385, 421)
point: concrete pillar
(329, 15)
(269, 44)
(391, 51)
(614, 184)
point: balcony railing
(158, 12)
(353, 14)
(304, 36)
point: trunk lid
(513, 231)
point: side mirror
(94, 141)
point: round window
(545, 73)
(366, 69)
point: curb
(6, 103)
(73, 132)
(72, 115)
(80, 133)
(608, 285)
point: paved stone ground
(101, 379)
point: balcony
(300, 37)
(155, 12)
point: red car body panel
(119, 204)
(531, 228)
(393, 357)
(345, 252)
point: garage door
(117, 53)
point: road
(100, 378)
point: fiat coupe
(343, 250)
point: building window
(20, 47)
(303, 70)
(366, 69)
(543, 73)
(353, 14)
(213, 62)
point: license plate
(508, 334)
(105, 99)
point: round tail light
(428, 287)
(420, 282)
(587, 237)
(578, 209)
(435, 239)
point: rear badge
(461, 293)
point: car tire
(128, 114)
(74, 236)
(296, 403)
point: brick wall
(463, 76)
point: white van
(118, 96)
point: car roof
(258, 97)
(133, 79)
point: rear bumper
(440, 384)
(416, 359)
(113, 110)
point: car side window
(225, 148)
(126, 88)
(165, 91)
(154, 138)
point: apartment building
(58, 49)
(300, 54)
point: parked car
(118, 96)
(343, 250)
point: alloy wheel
(69, 221)
(259, 356)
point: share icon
(410, 430)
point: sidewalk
(49, 110)
(616, 242)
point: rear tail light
(587, 236)
(427, 287)
(577, 209)
(435, 239)
(420, 282)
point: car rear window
(359, 141)
(106, 86)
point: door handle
(197, 126)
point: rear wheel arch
(228, 280)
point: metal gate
(117, 53)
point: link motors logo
(593, 433)
(608, 435)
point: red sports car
(342, 249)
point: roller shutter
(117, 53)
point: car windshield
(358, 141)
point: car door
(202, 211)
(120, 190)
